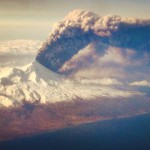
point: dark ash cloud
(84, 40)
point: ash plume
(85, 40)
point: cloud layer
(85, 44)
(140, 83)
(18, 52)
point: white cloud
(101, 72)
(140, 83)
(102, 81)
(18, 52)
(19, 47)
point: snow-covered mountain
(35, 82)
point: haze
(33, 19)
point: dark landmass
(117, 134)
(32, 118)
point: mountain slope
(35, 82)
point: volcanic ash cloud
(84, 41)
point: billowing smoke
(107, 46)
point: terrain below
(32, 118)
(121, 134)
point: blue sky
(33, 19)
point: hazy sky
(33, 19)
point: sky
(33, 19)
